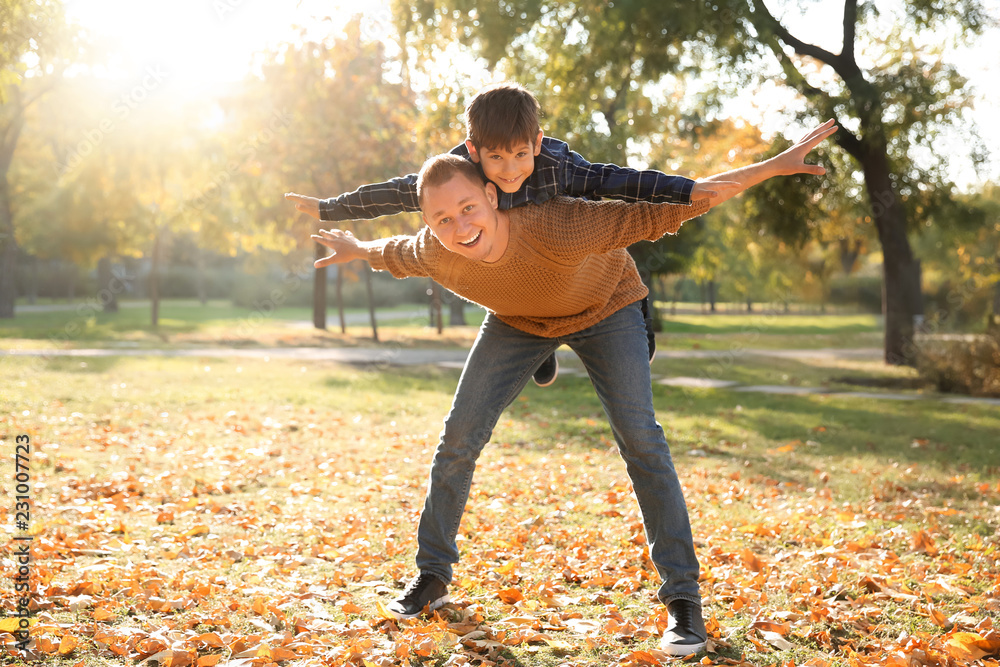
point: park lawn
(768, 329)
(263, 511)
(188, 323)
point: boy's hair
(440, 169)
(501, 116)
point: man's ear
(491, 194)
(538, 143)
(473, 153)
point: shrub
(864, 292)
(961, 364)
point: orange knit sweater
(565, 267)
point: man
(557, 273)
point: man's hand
(309, 205)
(345, 247)
(792, 161)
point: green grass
(219, 322)
(186, 322)
(308, 479)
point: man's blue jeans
(616, 356)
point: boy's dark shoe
(547, 372)
(685, 635)
(650, 334)
(424, 591)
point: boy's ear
(472, 151)
(538, 143)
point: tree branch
(843, 65)
(850, 30)
(826, 103)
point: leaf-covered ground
(233, 512)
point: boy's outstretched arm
(398, 195)
(790, 162)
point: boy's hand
(792, 161)
(309, 205)
(706, 189)
(345, 247)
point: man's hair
(502, 116)
(440, 169)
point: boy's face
(463, 217)
(507, 168)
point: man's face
(463, 217)
(507, 168)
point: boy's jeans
(616, 355)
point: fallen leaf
(776, 640)
(510, 595)
(964, 646)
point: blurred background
(145, 146)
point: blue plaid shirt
(558, 171)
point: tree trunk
(319, 292)
(849, 253)
(71, 277)
(902, 301)
(8, 253)
(340, 299)
(154, 281)
(993, 326)
(371, 302)
(456, 311)
(33, 281)
(437, 319)
(106, 291)
(711, 296)
(200, 278)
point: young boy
(551, 274)
(506, 141)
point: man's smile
(471, 242)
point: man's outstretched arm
(787, 163)
(345, 246)
(402, 256)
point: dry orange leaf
(772, 626)
(209, 639)
(965, 646)
(938, 618)
(922, 541)
(68, 645)
(200, 529)
(510, 595)
(751, 561)
(383, 611)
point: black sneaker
(547, 372)
(650, 334)
(685, 635)
(424, 591)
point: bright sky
(205, 41)
(194, 44)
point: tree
(31, 43)
(887, 102)
(349, 124)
